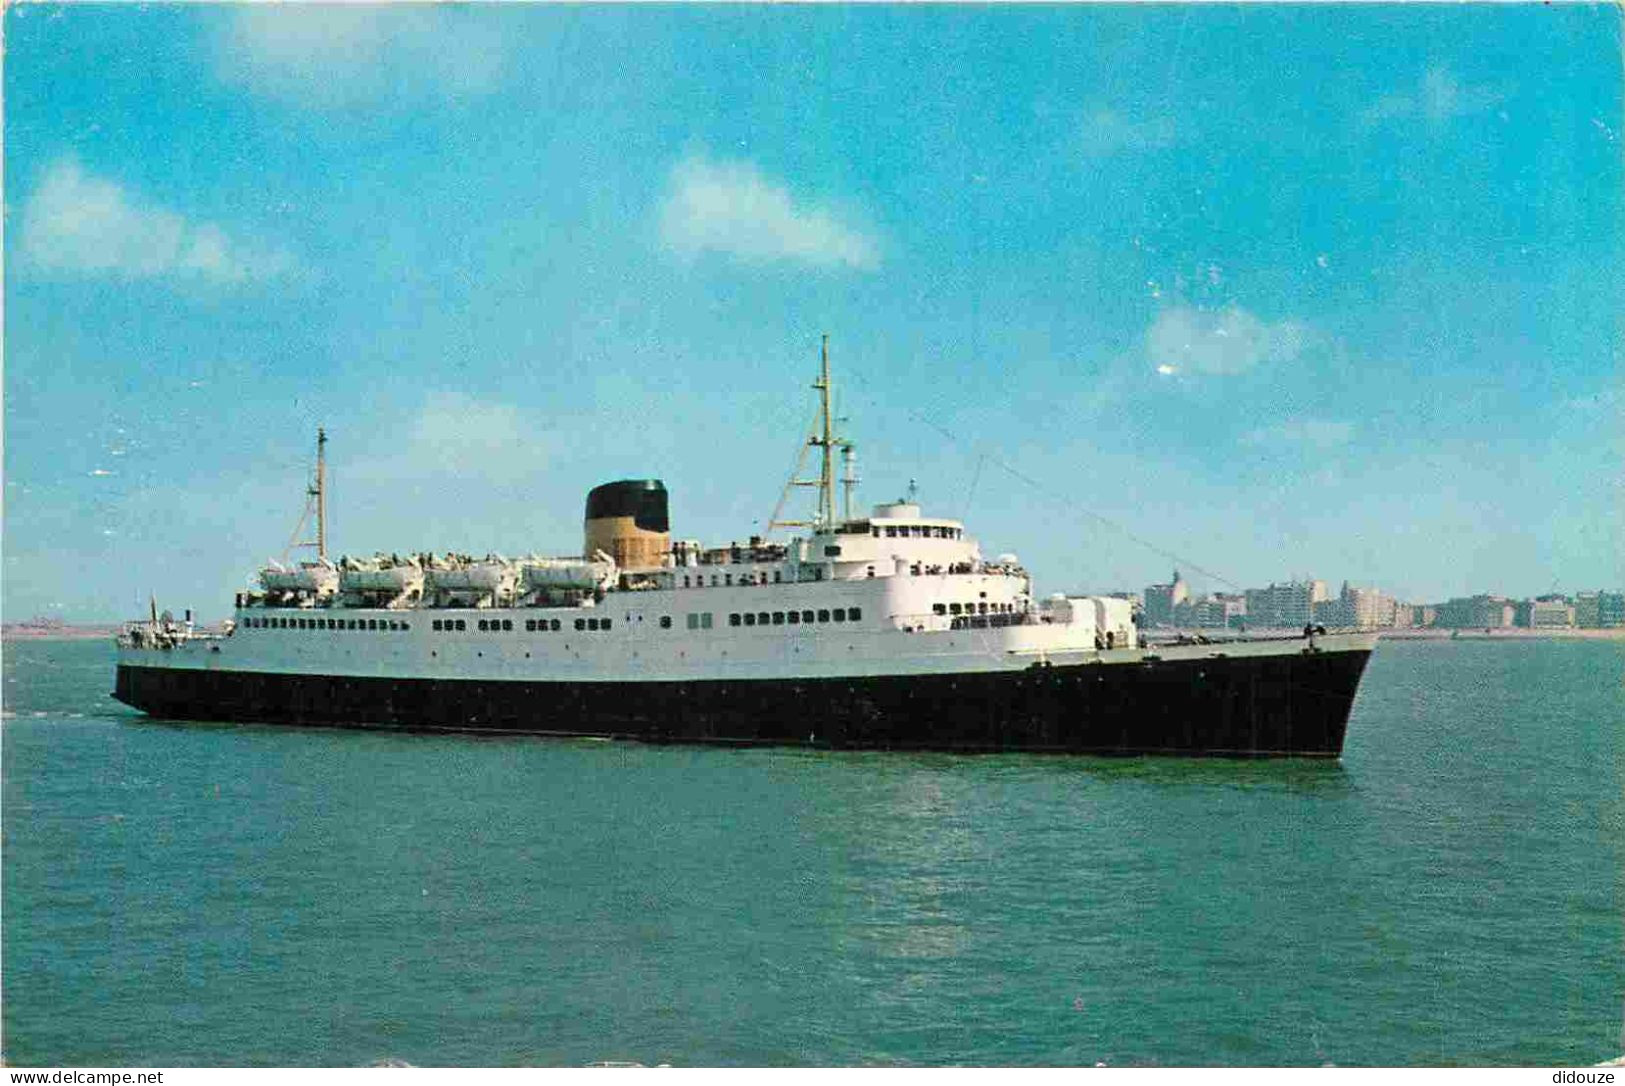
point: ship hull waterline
(1293, 704)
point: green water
(1451, 893)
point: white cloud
(731, 208)
(337, 55)
(1318, 433)
(1104, 131)
(78, 224)
(452, 435)
(1184, 339)
(463, 432)
(1437, 98)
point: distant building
(1289, 605)
(1545, 613)
(1599, 610)
(1162, 599)
(1357, 608)
(1471, 612)
(1219, 611)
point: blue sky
(1329, 291)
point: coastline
(1427, 633)
(19, 632)
(1513, 633)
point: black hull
(1290, 704)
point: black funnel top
(644, 500)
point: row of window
(697, 620)
(324, 624)
(982, 622)
(532, 625)
(795, 618)
(918, 531)
(981, 608)
(727, 579)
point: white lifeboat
(396, 580)
(495, 575)
(568, 573)
(320, 578)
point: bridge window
(840, 615)
(795, 618)
(853, 614)
(778, 618)
(665, 622)
(763, 618)
(733, 619)
(823, 615)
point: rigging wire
(1058, 499)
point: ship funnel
(627, 520)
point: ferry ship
(889, 630)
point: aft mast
(826, 441)
(826, 478)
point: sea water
(1448, 893)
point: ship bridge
(895, 537)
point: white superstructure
(894, 592)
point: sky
(1260, 292)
